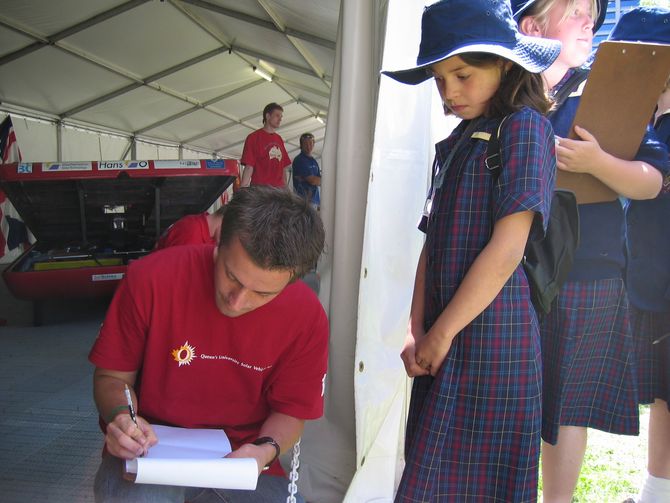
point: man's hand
(126, 440)
(263, 454)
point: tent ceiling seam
(328, 44)
(53, 39)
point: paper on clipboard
(616, 105)
(193, 458)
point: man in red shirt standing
(264, 157)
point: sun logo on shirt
(184, 354)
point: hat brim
(532, 53)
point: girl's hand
(408, 354)
(578, 156)
(431, 351)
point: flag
(8, 146)
(9, 152)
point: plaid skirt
(589, 375)
(473, 431)
(653, 360)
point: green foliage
(614, 465)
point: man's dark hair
(271, 107)
(304, 137)
(278, 229)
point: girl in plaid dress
(473, 347)
(587, 346)
(648, 275)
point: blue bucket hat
(643, 24)
(520, 6)
(453, 27)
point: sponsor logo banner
(215, 163)
(24, 168)
(177, 164)
(107, 165)
(67, 166)
(107, 277)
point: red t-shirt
(201, 369)
(189, 230)
(267, 154)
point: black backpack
(547, 261)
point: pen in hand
(131, 408)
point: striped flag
(10, 152)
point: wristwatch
(273, 443)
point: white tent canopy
(109, 79)
(175, 72)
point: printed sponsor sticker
(24, 168)
(67, 166)
(215, 163)
(177, 164)
(138, 164)
(107, 165)
(107, 277)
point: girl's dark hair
(518, 87)
(278, 229)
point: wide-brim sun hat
(643, 24)
(453, 27)
(520, 6)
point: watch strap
(273, 443)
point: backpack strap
(493, 159)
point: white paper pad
(194, 458)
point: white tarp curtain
(376, 172)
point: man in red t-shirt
(264, 157)
(217, 337)
(200, 229)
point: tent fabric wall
(377, 154)
(38, 140)
(328, 452)
(376, 160)
(396, 193)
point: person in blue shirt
(588, 352)
(306, 172)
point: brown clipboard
(616, 105)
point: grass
(614, 465)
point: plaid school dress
(653, 359)
(473, 431)
(589, 368)
(589, 364)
